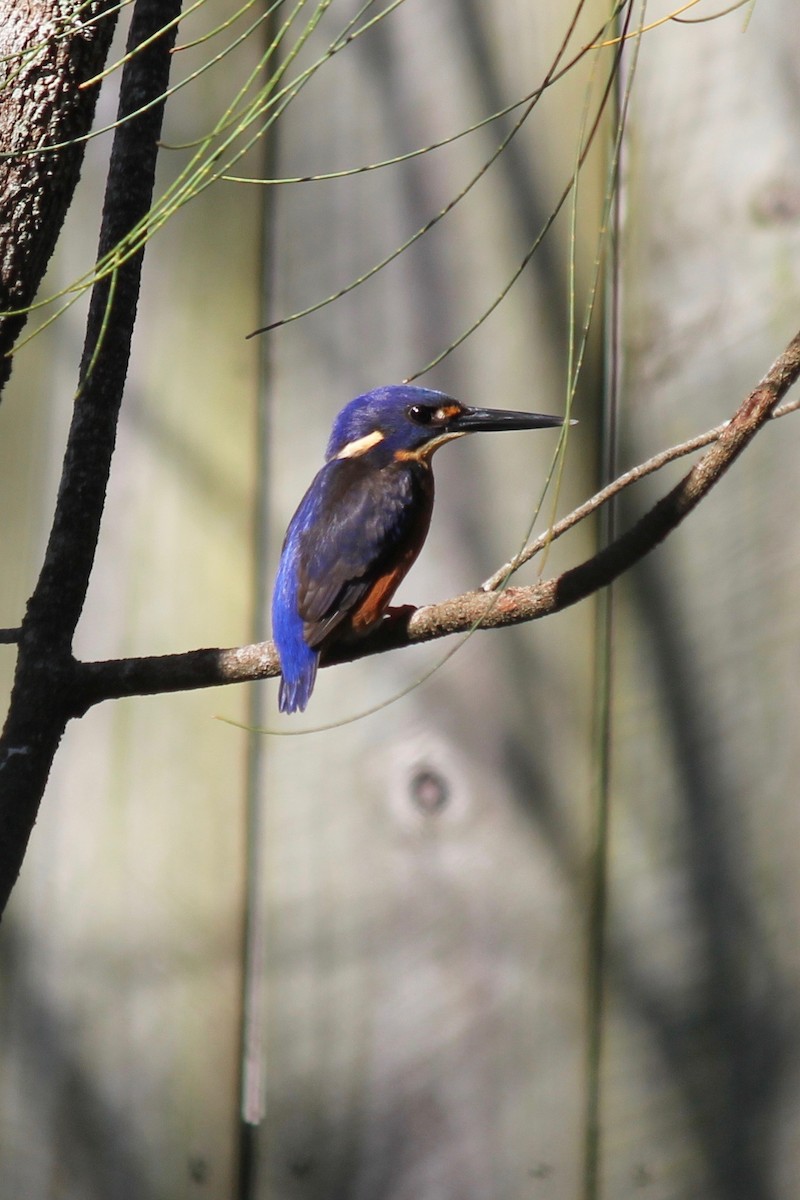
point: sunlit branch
(116, 678)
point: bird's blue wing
(355, 528)
(363, 521)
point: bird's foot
(399, 614)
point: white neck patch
(361, 445)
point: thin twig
(613, 489)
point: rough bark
(48, 48)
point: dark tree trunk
(45, 678)
(45, 56)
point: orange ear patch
(423, 453)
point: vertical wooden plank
(122, 946)
(700, 1082)
(423, 886)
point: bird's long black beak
(491, 420)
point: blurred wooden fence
(376, 940)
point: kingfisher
(363, 521)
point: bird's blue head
(401, 422)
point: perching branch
(118, 678)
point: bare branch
(613, 489)
(485, 610)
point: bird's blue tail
(298, 661)
(298, 684)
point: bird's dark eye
(421, 414)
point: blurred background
(529, 929)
